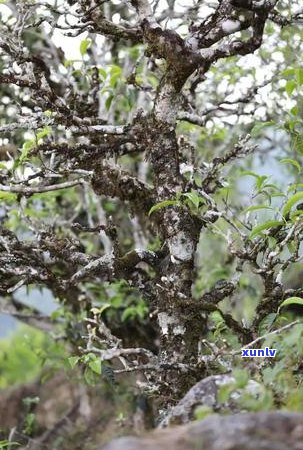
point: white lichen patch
(230, 26)
(186, 168)
(154, 25)
(193, 43)
(166, 320)
(207, 53)
(142, 253)
(179, 330)
(181, 248)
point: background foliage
(91, 205)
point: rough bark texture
(82, 149)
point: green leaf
(294, 187)
(114, 80)
(296, 213)
(100, 310)
(115, 70)
(259, 127)
(48, 113)
(294, 110)
(250, 173)
(43, 133)
(241, 377)
(260, 182)
(95, 365)
(257, 208)
(73, 361)
(103, 73)
(84, 45)
(162, 205)
(8, 196)
(291, 202)
(194, 197)
(90, 377)
(293, 162)
(202, 411)
(290, 86)
(27, 146)
(297, 142)
(57, 314)
(288, 72)
(108, 101)
(68, 63)
(299, 76)
(289, 125)
(225, 391)
(264, 226)
(7, 444)
(291, 301)
(267, 322)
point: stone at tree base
(205, 393)
(246, 431)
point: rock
(246, 431)
(205, 393)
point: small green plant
(24, 354)
(191, 200)
(8, 444)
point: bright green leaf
(162, 205)
(115, 70)
(294, 110)
(43, 133)
(290, 86)
(293, 162)
(288, 72)
(257, 208)
(291, 202)
(84, 45)
(194, 197)
(101, 309)
(8, 196)
(264, 227)
(114, 80)
(299, 76)
(241, 377)
(108, 102)
(202, 412)
(295, 186)
(225, 392)
(103, 73)
(95, 365)
(291, 301)
(297, 142)
(259, 127)
(73, 361)
(7, 444)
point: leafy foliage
(25, 354)
(151, 179)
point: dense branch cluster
(86, 131)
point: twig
(26, 190)
(260, 338)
